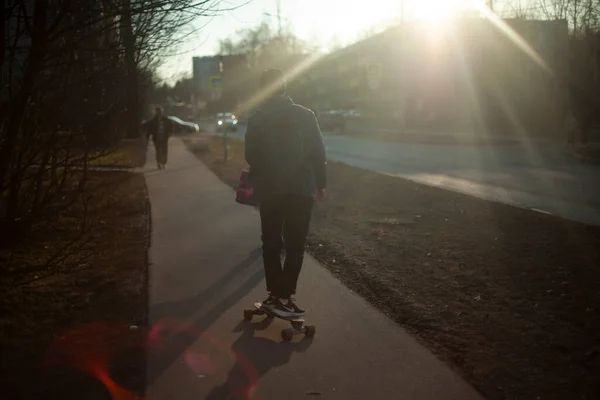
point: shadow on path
(255, 356)
(151, 172)
(174, 330)
(188, 307)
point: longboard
(287, 334)
(259, 306)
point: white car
(226, 122)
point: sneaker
(287, 309)
(270, 302)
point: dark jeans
(161, 147)
(284, 219)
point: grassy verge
(508, 297)
(102, 279)
(129, 153)
(210, 150)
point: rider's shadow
(255, 356)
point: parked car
(226, 122)
(352, 113)
(331, 120)
(180, 126)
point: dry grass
(211, 150)
(508, 297)
(103, 279)
(129, 153)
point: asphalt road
(534, 175)
(206, 268)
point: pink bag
(245, 191)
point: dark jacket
(151, 127)
(285, 150)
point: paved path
(536, 175)
(206, 268)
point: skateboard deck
(259, 307)
(298, 326)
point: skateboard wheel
(310, 331)
(297, 324)
(287, 335)
(248, 314)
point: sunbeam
(511, 34)
(267, 92)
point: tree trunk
(18, 105)
(133, 107)
(39, 183)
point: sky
(308, 19)
(320, 20)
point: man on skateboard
(287, 159)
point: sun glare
(438, 10)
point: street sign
(216, 83)
(374, 71)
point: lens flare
(93, 349)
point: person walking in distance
(160, 128)
(287, 159)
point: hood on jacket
(276, 103)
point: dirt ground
(510, 298)
(58, 326)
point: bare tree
(73, 76)
(583, 16)
(520, 9)
(261, 44)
